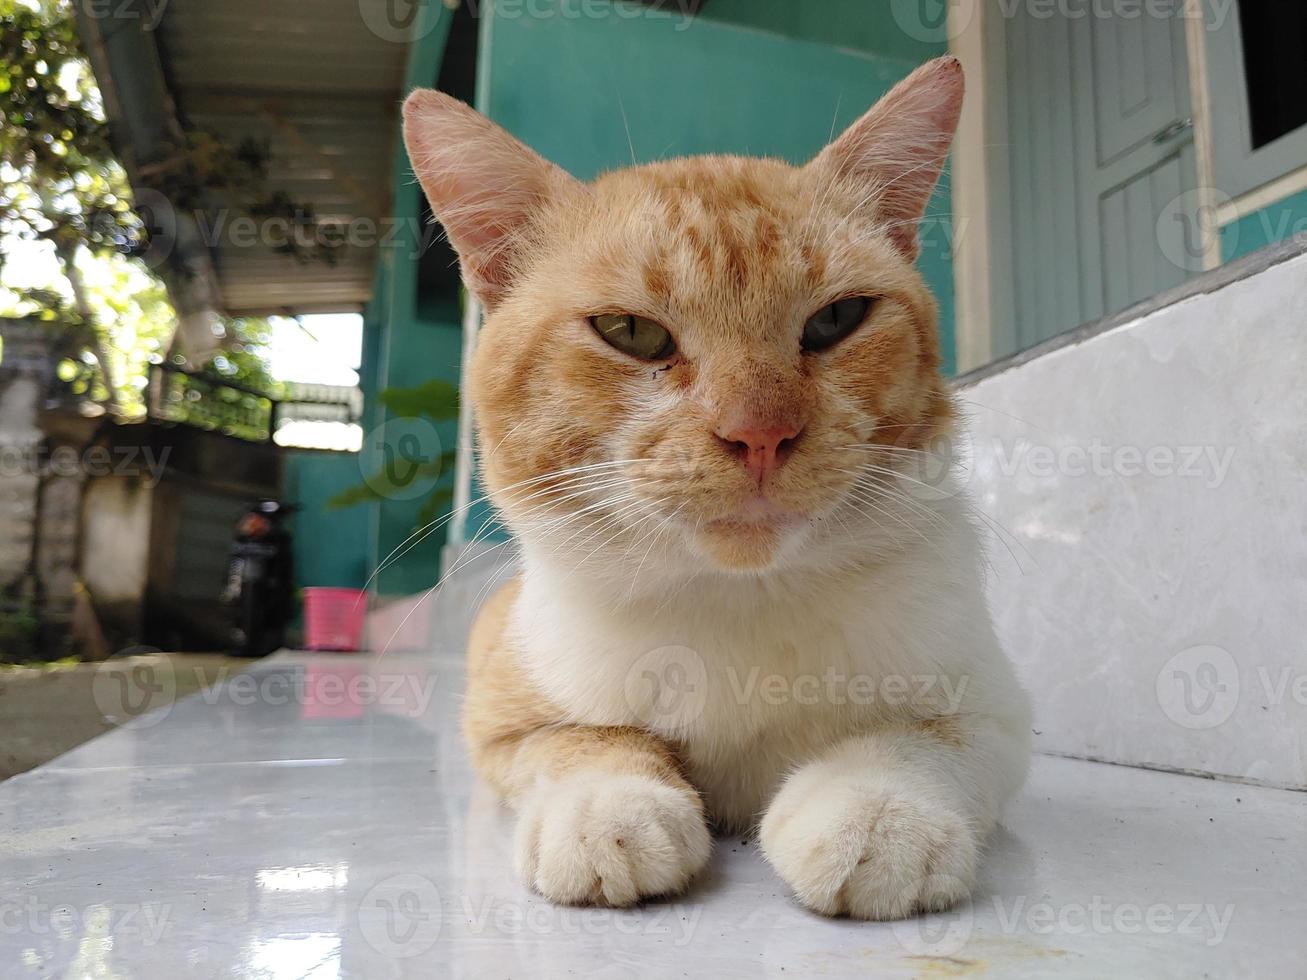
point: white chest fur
(751, 676)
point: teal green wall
(331, 546)
(865, 25)
(407, 343)
(1275, 223)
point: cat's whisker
(914, 507)
(995, 527)
(482, 532)
(622, 528)
(657, 536)
(458, 565)
(940, 492)
(558, 523)
(421, 534)
(892, 498)
(860, 493)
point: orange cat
(699, 390)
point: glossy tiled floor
(316, 818)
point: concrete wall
(116, 547)
(1147, 486)
(19, 436)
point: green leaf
(434, 506)
(360, 494)
(435, 399)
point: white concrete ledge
(316, 817)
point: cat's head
(697, 359)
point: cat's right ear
(484, 186)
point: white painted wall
(116, 539)
(1152, 481)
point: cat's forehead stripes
(740, 225)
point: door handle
(1178, 128)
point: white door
(1100, 155)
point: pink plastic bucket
(333, 618)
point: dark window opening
(438, 282)
(1274, 39)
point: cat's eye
(637, 336)
(831, 324)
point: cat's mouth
(756, 513)
(752, 525)
(751, 535)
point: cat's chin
(747, 544)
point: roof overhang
(318, 83)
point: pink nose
(762, 448)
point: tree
(59, 180)
(61, 185)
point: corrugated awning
(317, 82)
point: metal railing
(203, 401)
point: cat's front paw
(868, 847)
(610, 840)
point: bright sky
(321, 349)
(324, 349)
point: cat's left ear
(484, 186)
(899, 147)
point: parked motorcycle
(260, 579)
